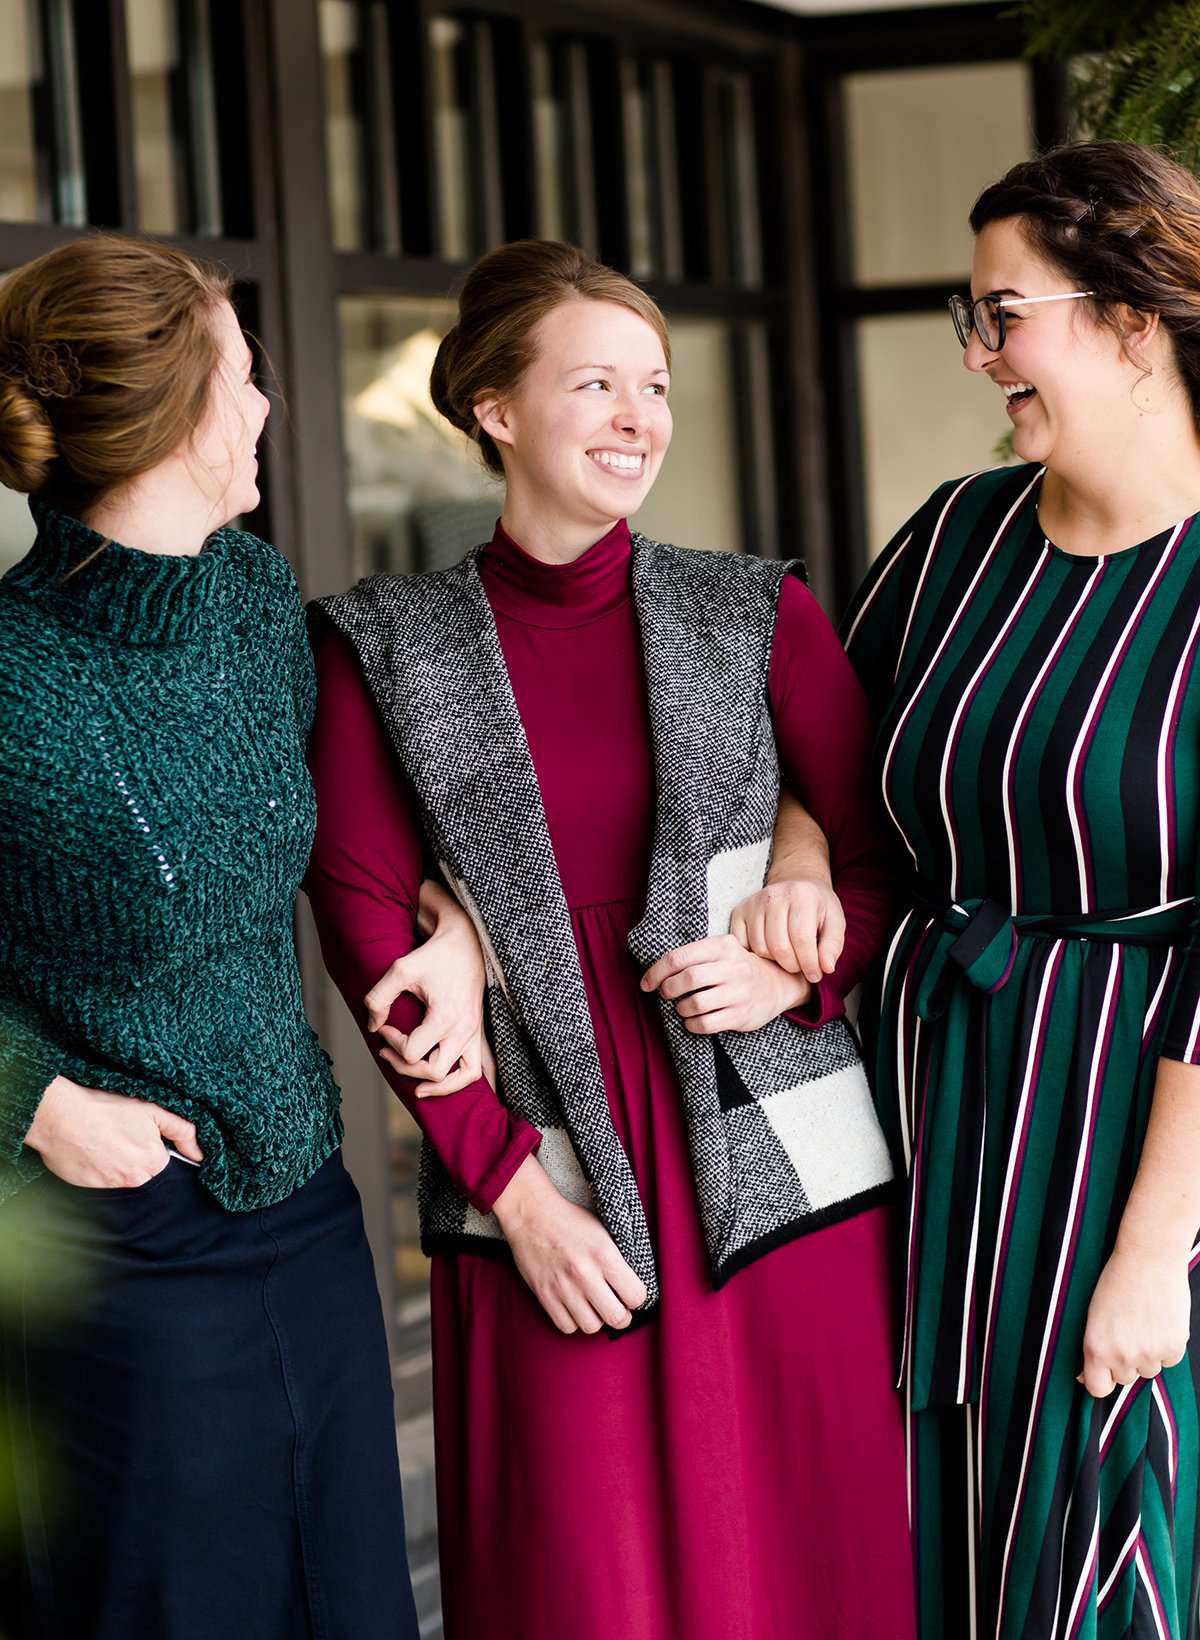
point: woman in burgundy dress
(664, 1411)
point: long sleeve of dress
(29, 1062)
(825, 729)
(363, 882)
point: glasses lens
(987, 323)
(960, 312)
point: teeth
(610, 458)
(1011, 388)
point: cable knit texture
(156, 817)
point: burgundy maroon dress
(734, 1470)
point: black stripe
(1061, 1560)
(1069, 1138)
(1139, 765)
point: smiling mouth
(1017, 393)
(623, 464)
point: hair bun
(440, 377)
(28, 446)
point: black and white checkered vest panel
(782, 1132)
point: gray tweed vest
(783, 1135)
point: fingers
(179, 1131)
(1097, 1380)
(676, 961)
(833, 937)
(400, 977)
(799, 934)
(429, 1034)
(786, 938)
(724, 1019)
(625, 1283)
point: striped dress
(1040, 762)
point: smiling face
(221, 458)
(1067, 380)
(584, 433)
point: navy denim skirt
(200, 1423)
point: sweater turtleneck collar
(530, 590)
(140, 597)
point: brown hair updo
(107, 353)
(505, 295)
(1119, 219)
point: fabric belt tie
(968, 956)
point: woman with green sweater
(202, 1357)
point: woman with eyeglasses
(1031, 641)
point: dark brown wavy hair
(1119, 219)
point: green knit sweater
(156, 817)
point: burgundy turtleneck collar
(539, 594)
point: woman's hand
(566, 1256)
(799, 925)
(448, 1050)
(1138, 1321)
(106, 1141)
(718, 985)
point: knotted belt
(968, 955)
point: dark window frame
(960, 36)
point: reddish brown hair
(505, 296)
(107, 354)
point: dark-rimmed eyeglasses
(986, 316)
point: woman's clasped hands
(783, 940)
(448, 1049)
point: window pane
(341, 45)
(735, 104)
(419, 497)
(174, 116)
(154, 73)
(21, 70)
(695, 501)
(457, 183)
(16, 528)
(549, 145)
(923, 418)
(922, 144)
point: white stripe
(1122, 1562)
(1154, 910)
(1072, 1214)
(1149, 1586)
(1164, 1414)
(981, 569)
(1115, 1412)
(1010, 1171)
(1193, 1034)
(880, 579)
(969, 1284)
(965, 700)
(1073, 814)
(902, 1074)
(1164, 829)
(1019, 729)
(1152, 1012)
(1085, 1576)
(935, 541)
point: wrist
(37, 1135)
(527, 1186)
(1153, 1242)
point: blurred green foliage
(1135, 67)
